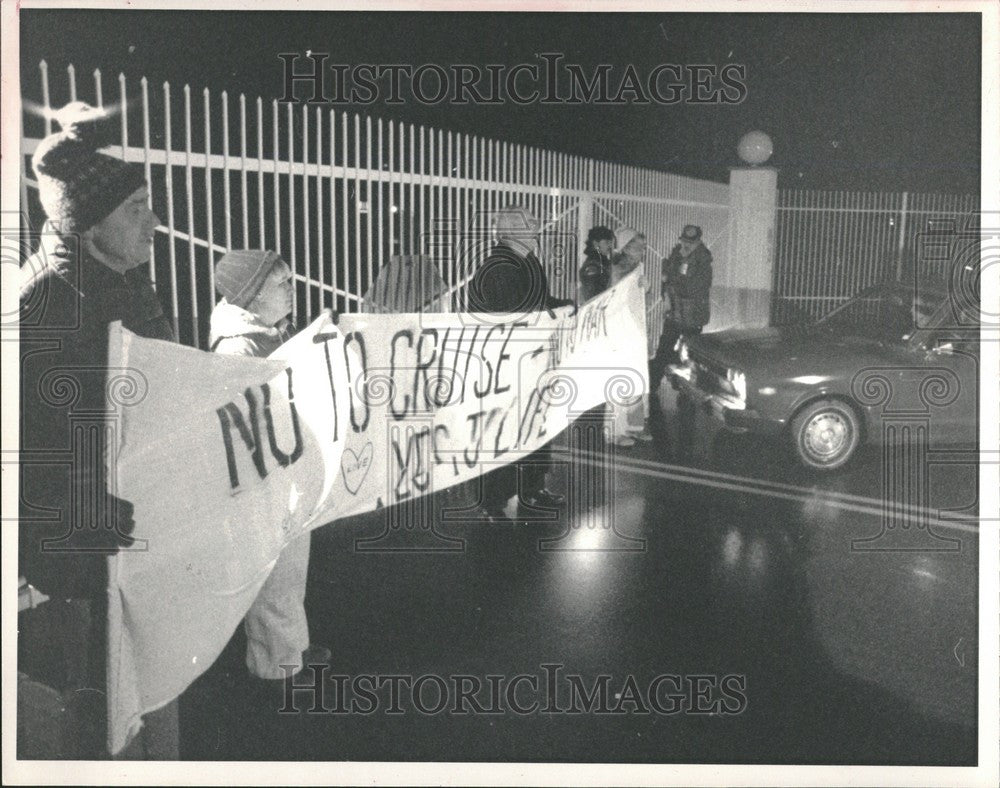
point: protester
(88, 272)
(511, 280)
(595, 277)
(252, 320)
(630, 420)
(630, 249)
(595, 273)
(686, 282)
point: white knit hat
(240, 274)
(624, 236)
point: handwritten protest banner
(228, 459)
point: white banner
(227, 459)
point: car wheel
(825, 434)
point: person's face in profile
(124, 237)
(274, 300)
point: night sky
(876, 102)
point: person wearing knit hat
(240, 274)
(77, 184)
(252, 317)
(252, 320)
(87, 272)
(630, 249)
(624, 236)
(89, 195)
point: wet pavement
(764, 594)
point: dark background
(876, 102)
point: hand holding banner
(227, 459)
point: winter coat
(67, 301)
(237, 332)
(595, 275)
(688, 284)
(510, 281)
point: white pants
(276, 627)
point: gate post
(584, 218)
(902, 238)
(745, 287)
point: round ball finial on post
(755, 148)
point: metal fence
(339, 194)
(831, 244)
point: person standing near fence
(629, 420)
(252, 320)
(595, 273)
(687, 283)
(88, 272)
(511, 280)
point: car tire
(825, 434)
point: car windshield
(885, 314)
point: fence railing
(338, 194)
(829, 245)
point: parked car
(892, 353)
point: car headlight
(738, 380)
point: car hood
(789, 351)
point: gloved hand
(68, 559)
(110, 534)
(105, 522)
(556, 303)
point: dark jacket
(67, 301)
(509, 281)
(689, 286)
(237, 332)
(595, 275)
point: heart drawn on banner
(356, 467)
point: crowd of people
(90, 271)
(512, 280)
(685, 282)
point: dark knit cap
(77, 186)
(240, 274)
